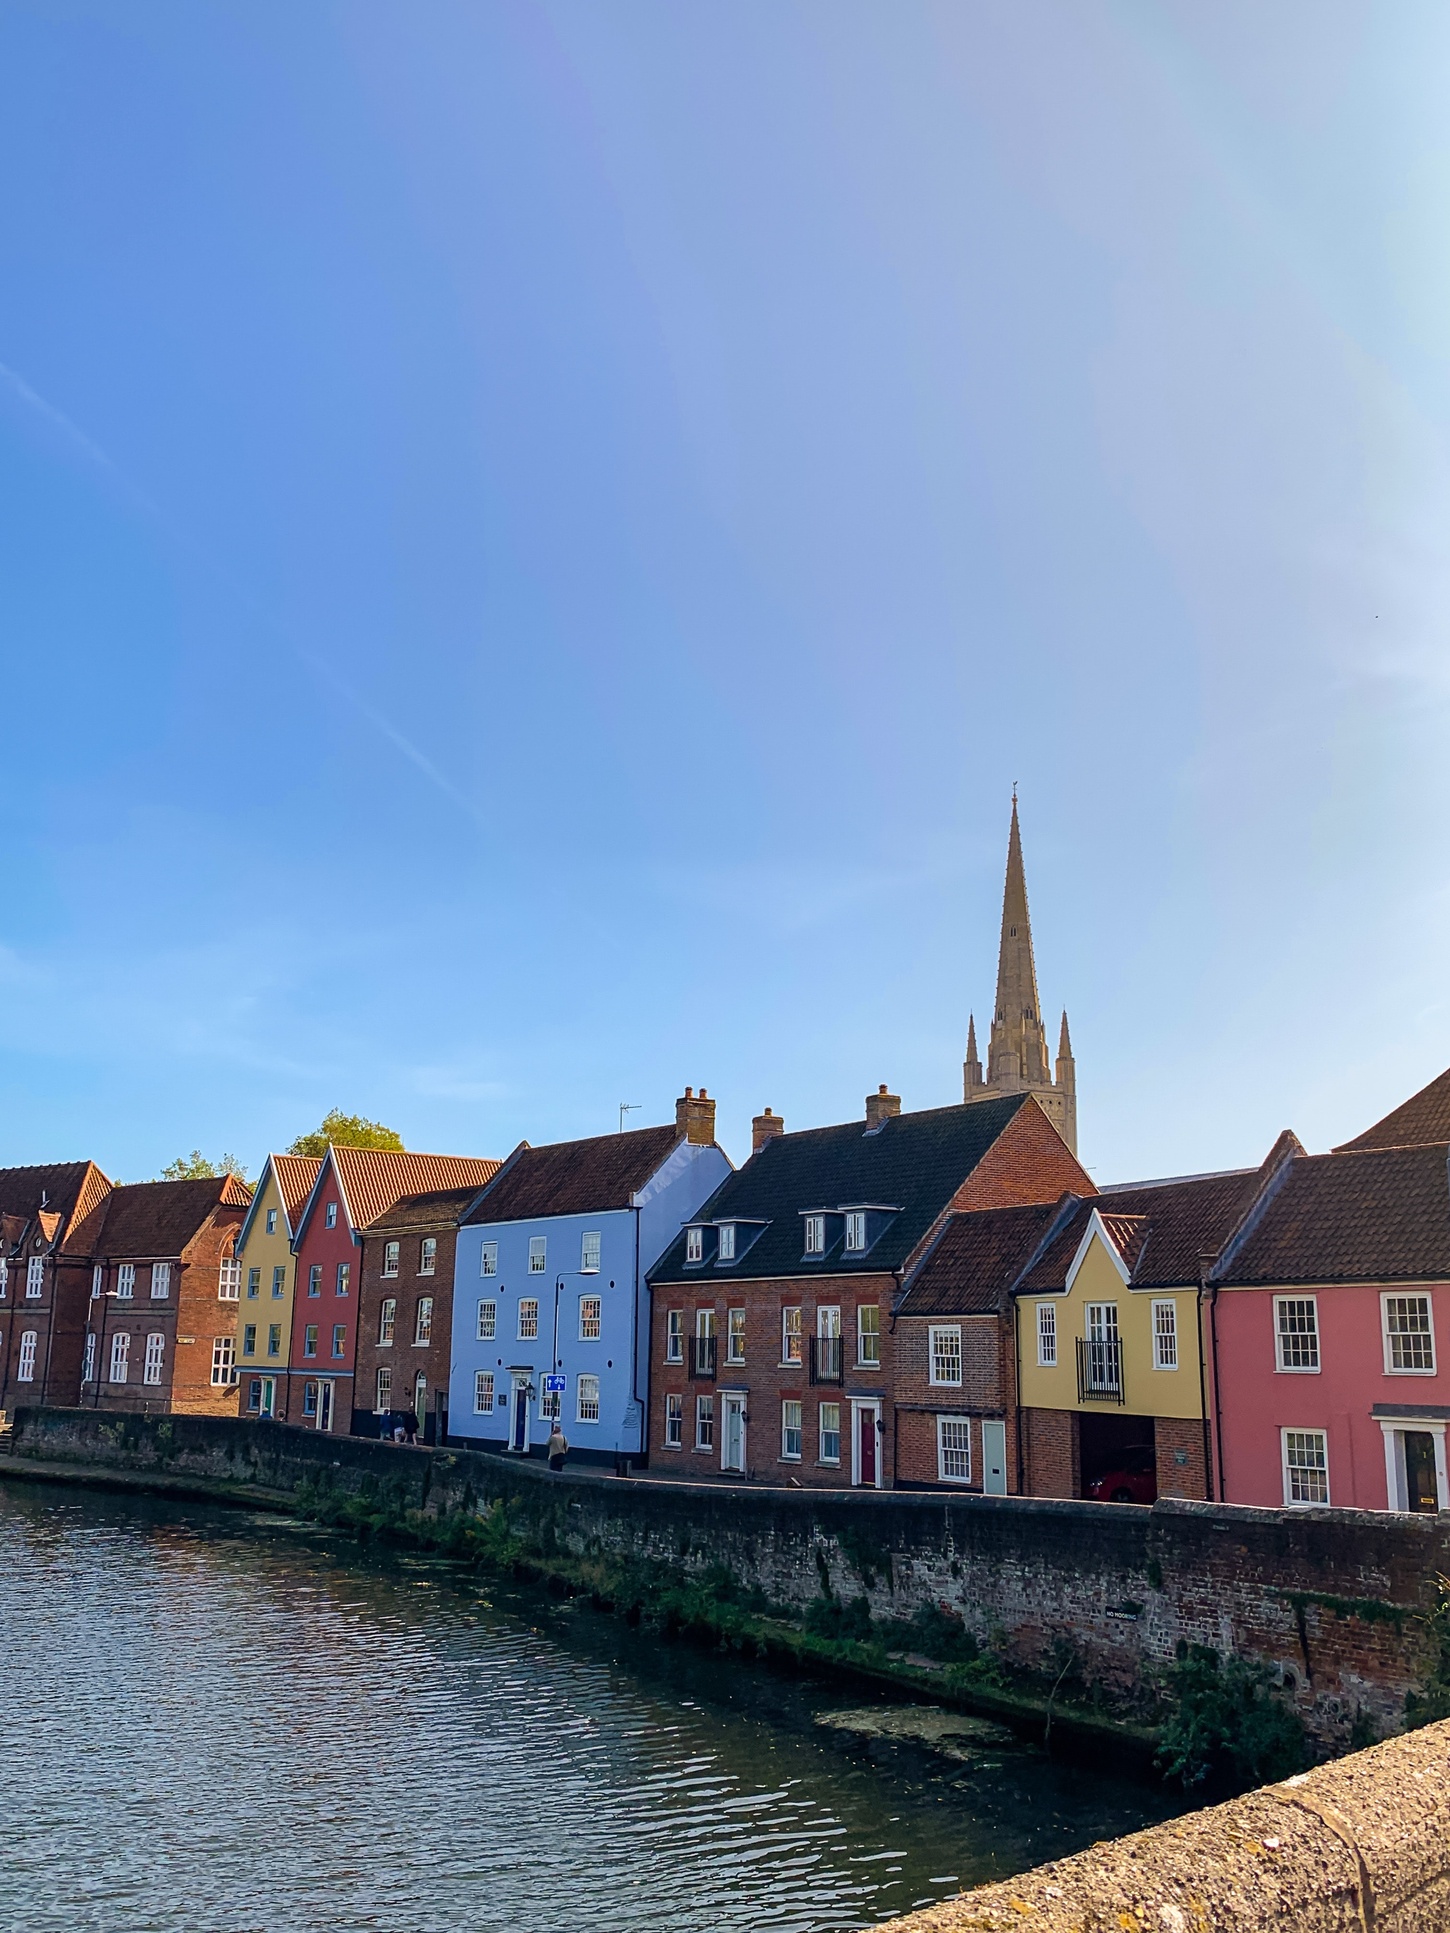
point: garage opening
(1119, 1459)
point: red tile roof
(1163, 1228)
(295, 1175)
(372, 1179)
(161, 1218)
(576, 1177)
(69, 1190)
(1378, 1215)
(975, 1260)
(440, 1208)
(1421, 1121)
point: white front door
(324, 1406)
(732, 1434)
(994, 1459)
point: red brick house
(354, 1187)
(772, 1354)
(161, 1330)
(405, 1312)
(47, 1221)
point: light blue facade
(586, 1258)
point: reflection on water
(218, 1724)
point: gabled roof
(1160, 1229)
(575, 1177)
(160, 1218)
(69, 1190)
(1378, 1215)
(439, 1208)
(1423, 1120)
(973, 1263)
(294, 1175)
(915, 1162)
(370, 1180)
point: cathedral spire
(972, 1082)
(1017, 1053)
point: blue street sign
(555, 1385)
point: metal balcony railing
(700, 1358)
(1100, 1369)
(826, 1364)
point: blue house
(550, 1303)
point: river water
(220, 1723)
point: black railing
(826, 1366)
(1099, 1369)
(701, 1359)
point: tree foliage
(346, 1131)
(197, 1167)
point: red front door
(866, 1432)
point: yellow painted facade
(264, 1310)
(1148, 1388)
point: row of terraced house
(939, 1298)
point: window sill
(1296, 1369)
(828, 1463)
(868, 1365)
(1412, 1372)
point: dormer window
(727, 1241)
(855, 1231)
(694, 1244)
(815, 1234)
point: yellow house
(1110, 1373)
(264, 1305)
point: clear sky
(536, 539)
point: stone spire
(1017, 1045)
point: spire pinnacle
(971, 1036)
(1064, 1040)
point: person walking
(410, 1426)
(558, 1447)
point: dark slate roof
(159, 1218)
(439, 1208)
(574, 1177)
(913, 1163)
(1422, 1120)
(973, 1263)
(1381, 1215)
(59, 1183)
(1160, 1228)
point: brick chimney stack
(765, 1127)
(881, 1106)
(695, 1117)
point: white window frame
(224, 1371)
(126, 1282)
(487, 1320)
(161, 1281)
(387, 1321)
(1164, 1317)
(392, 1255)
(1291, 1502)
(229, 1281)
(423, 1322)
(951, 1335)
(1047, 1335)
(591, 1318)
(856, 1231)
(674, 1420)
(674, 1335)
(868, 1359)
(591, 1245)
(954, 1449)
(120, 1356)
(734, 1333)
(383, 1389)
(694, 1244)
(1388, 1339)
(787, 1333)
(35, 1278)
(586, 1399)
(420, 1396)
(154, 1366)
(428, 1255)
(815, 1234)
(25, 1365)
(1283, 1368)
(705, 1424)
(1396, 1476)
(832, 1462)
(5, 1278)
(88, 1367)
(538, 1254)
(483, 1381)
(788, 1429)
(725, 1251)
(528, 1323)
(98, 1281)
(488, 1258)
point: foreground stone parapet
(1361, 1844)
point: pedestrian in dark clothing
(558, 1447)
(410, 1426)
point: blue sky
(536, 539)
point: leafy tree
(1227, 1726)
(196, 1167)
(346, 1131)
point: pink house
(1329, 1321)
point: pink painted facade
(1373, 1418)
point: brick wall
(1334, 1601)
(1182, 1463)
(920, 1401)
(1029, 1161)
(1050, 1453)
(405, 1357)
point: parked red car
(1133, 1480)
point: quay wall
(1100, 1597)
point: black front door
(1424, 1493)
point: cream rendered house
(266, 1281)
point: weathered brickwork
(1028, 1162)
(1334, 1601)
(1050, 1455)
(1182, 1458)
(984, 1392)
(416, 1340)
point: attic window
(856, 1230)
(815, 1234)
(694, 1244)
(332, 1214)
(727, 1242)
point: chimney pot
(695, 1117)
(881, 1106)
(765, 1127)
